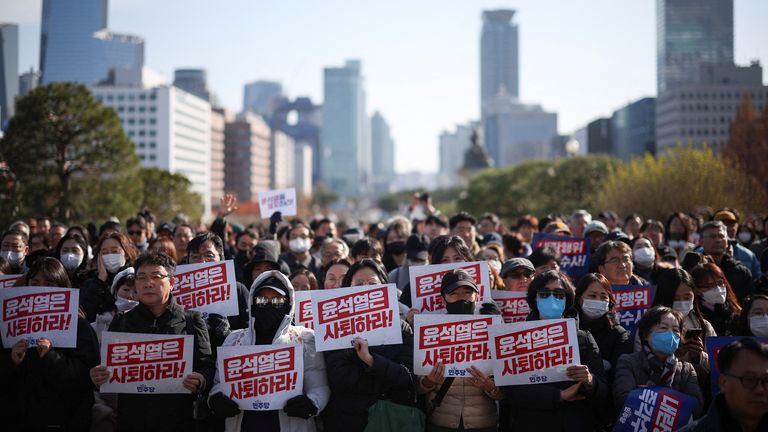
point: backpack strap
(440, 395)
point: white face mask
(298, 245)
(716, 295)
(495, 264)
(683, 306)
(113, 262)
(759, 325)
(644, 256)
(13, 258)
(594, 308)
(123, 304)
(71, 261)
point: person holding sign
(361, 375)
(656, 364)
(272, 306)
(467, 404)
(563, 405)
(48, 387)
(158, 313)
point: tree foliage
(748, 142)
(168, 194)
(680, 180)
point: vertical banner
(261, 377)
(513, 305)
(574, 252)
(146, 363)
(632, 301)
(207, 288)
(282, 200)
(714, 344)
(655, 409)
(425, 283)
(31, 313)
(534, 352)
(7, 281)
(303, 316)
(456, 341)
(370, 312)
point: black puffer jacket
(96, 295)
(52, 392)
(613, 341)
(164, 412)
(355, 386)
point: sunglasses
(558, 294)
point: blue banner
(714, 344)
(574, 252)
(632, 301)
(655, 409)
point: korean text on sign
(426, 279)
(31, 313)
(655, 409)
(304, 309)
(207, 287)
(261, 377)
(632, 301)
(534, 352)
(513, 305)
(7, 281)
(574, 252)
(282, 200)
(370, 312)
(457, 341)
(146, 363)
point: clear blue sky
(582, 58)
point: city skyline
(424, 77)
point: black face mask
(396, 248)
(460, 307)
(266, 321)
(243, 256)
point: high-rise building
(28, 81)
(247, 157)
(219, 119)
(451, 147)
(170, 128)
(300, 119)
(260, 96)
(345, 161)
(599, 137)
(499, 69)
(303, 168)
(9, 70)
(75, 44)
(382, 147)
(193, 81)
(691, 32)
(633, 129)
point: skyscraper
(498, 56)
(75, 44)
(9, 70)
(193, 81)
(346, 157)
(259, 97)
(689, 33)
(382, 154)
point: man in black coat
(714, 242)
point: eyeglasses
(154, 277)
(626, 259)
(135, 232)
(750, 382)
(275, 301)
(558, 294)
(518, 275)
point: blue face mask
(550, 307)
(664, 342)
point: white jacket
(315, 380)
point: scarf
(662, 372)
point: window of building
(152, 157)
(120, 109)
(142, 132)
(142, 145)
(143, 96)
(141, 157)
(152, 133)
(152, 144)
(121, 97)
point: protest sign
(303, 315)
(425, 283)
(574, 252)
(207, 288)
(534, 352)
(714, 344)
(370, 312)
(261, 377)
(7, 281)
(456, 341)
(655, 409)
(513, 305)
(282, 200)
(632, 301)
(146, 363)
(31, 313)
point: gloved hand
(489, 309)
(274, 221)
(223, 406)
(300, 406)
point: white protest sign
(456, 341)
(7, 281)
(207, 288)
(146, 363)
(303, 315)
(31, 313)
(282, 200)
(261, 377)
(512, 304)
(370, 312)
(425, 283)
(534, 352)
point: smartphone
(693, 333)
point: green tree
(68, 154)
(168, 194)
